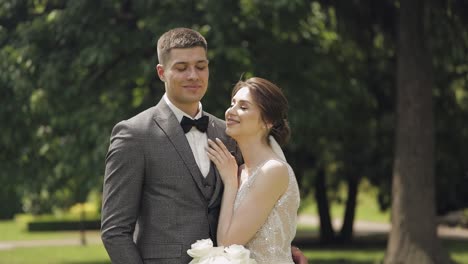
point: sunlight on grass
(367, 205)
(368, 208)
(93, 254)
(96, 254)
(356, 253)
(458, 250)
(14, 231)
(372, 255)
(345, 256)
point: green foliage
(70, 70)
(448, 44)
(67, 64)
(11, 201)
(62, 225)
(368, 208)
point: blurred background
(70, 70)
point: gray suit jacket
(153, 184)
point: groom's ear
(160, 72)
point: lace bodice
(272, 242)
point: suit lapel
(212, 133)
(166, 120)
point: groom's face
(185, 74)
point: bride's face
(243, 117)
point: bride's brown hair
(272, 103)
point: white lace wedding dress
(272, 243)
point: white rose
(219, 259)
(200, 248)
(238, 254)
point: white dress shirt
(197, 140)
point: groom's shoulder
(137, 123)
(141, 117)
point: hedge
(63, 225)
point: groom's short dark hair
(179, 38)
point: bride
(261, 197)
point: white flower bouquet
(203, 252)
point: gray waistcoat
(209, 183)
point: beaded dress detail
(272, 242)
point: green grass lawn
(367, 252)
(372, 252)
(91, 254)
(361, 252)
(458, 250)
(96, 254)
(14, 231)
(367, 205)
(343, 256)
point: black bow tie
(201, 124)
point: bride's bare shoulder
(274, 164)
(275, 170)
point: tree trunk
(413, 238)
(346, 233)
(327, 234)
(82, 224)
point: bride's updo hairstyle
(273, 106)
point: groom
(161, 193)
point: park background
(378, 99)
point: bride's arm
(228, 170)
(255, 207)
